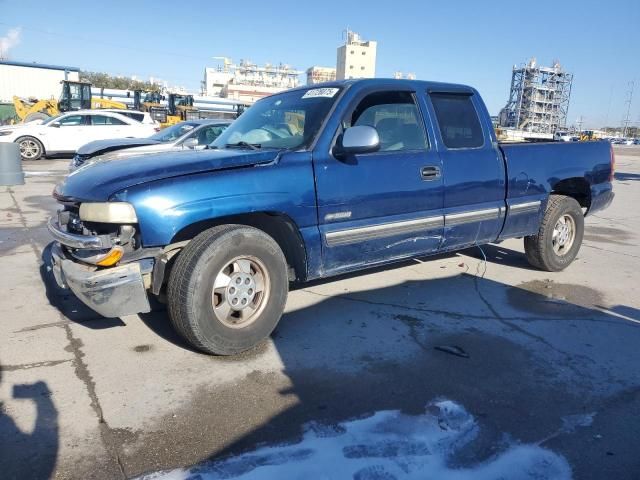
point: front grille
(68, 218)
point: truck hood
(97, 146)
(141, 150)
(99, 180)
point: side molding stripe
(355, 235)
(362, 234)
(527, 207)
(472, 216)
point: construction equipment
(31, 109)
(151, 102)
(587, 135)
(180, 108)
(74, 96)
(175, 108)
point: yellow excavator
(75, 96)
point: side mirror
(360, 139)
(55, 125)
(190, 143)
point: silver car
(193, 134)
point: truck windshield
(289, 120)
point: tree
(104, 80)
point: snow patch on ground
(385, 446)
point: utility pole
(627, 118)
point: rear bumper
(111, 292)
(601, 197)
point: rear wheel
(559, 237)
(36, 116)
(30, 148)
(227, 289)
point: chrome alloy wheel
(240, 292)
(29, 149)
(564, 233)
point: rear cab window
(458, 120)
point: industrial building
(538, 100)
(248, 81)
(400, 75)
(356, 58)
(33, 80)
(317, 74)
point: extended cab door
(473, 169)
(378, 206)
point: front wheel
(30, 148)
(560, 235)
(227, 289)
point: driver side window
(396, 118)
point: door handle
(430, 172)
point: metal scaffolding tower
(539, 98)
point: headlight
(5, 132)
(109, 212)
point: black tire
(36, 116)
(539, 248)
(190, 292)
(30, 148)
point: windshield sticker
(320, 92)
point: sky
(471, 42)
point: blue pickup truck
(311, 183)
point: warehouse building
(33, 80)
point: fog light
(112, 257)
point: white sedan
(65, 133)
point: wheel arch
(277, 225)
(576, 187)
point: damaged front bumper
(111, 292)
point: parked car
(307, 184)
(142, 117)
(189, 134)
(66, 132)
